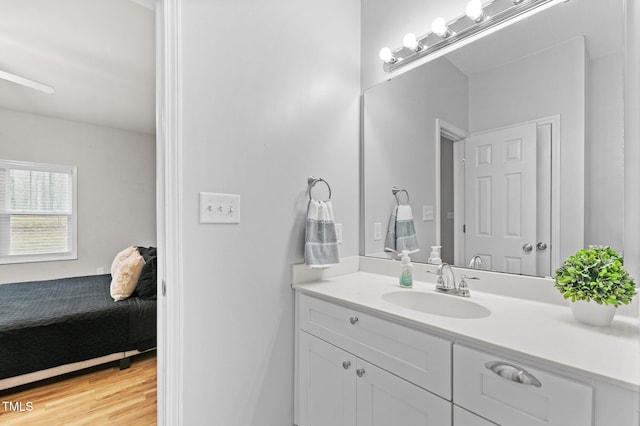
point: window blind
(37, 214)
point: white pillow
(125, 271)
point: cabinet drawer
(418, 357)
(509, 392)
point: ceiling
(99, 55)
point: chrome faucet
(476, 262)
(444, 285)
(449, 286)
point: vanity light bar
(443, 34)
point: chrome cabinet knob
(527, 248)
(541, 246)
(346, 364)
(360, 372)
(353, 320)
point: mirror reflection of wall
(563, 79)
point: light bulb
(387, 55)
(474, 11)
(411, 42)
(439, 27)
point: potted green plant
(596, 283)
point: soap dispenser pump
(406, 274)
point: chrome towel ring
(395, 191)
(311, 182)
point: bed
(46, 326)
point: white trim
(169, 201)
(556, 185)
(631, 239)
(458, 202)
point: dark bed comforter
(45, 324)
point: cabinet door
(327, 385)
(385, 399)
(464, 418)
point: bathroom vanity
(371, 353)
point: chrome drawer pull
(353, 320)
(346, 364)
(513, 373)
(360, 372)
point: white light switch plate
(377, 231)
(219, 208)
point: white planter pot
(592, 313)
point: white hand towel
(320, 242)
(401, 234)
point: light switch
(427, 212)
(377, 231)
(219, 208)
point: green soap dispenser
(406, 275)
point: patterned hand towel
(401, 234)
(320, 242)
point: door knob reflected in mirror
(541, 246)
(527, 248)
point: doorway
(502, 206)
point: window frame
(5, 214)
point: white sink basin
(437, 304)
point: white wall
(270, 96)
(400, 145)
(116, 187)
(551, 82)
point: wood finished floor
(103, 395)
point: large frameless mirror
(506, 146)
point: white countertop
(539, 331)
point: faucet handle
(440, 282)
(463, 288)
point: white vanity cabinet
(361, 370)
(362, 367)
